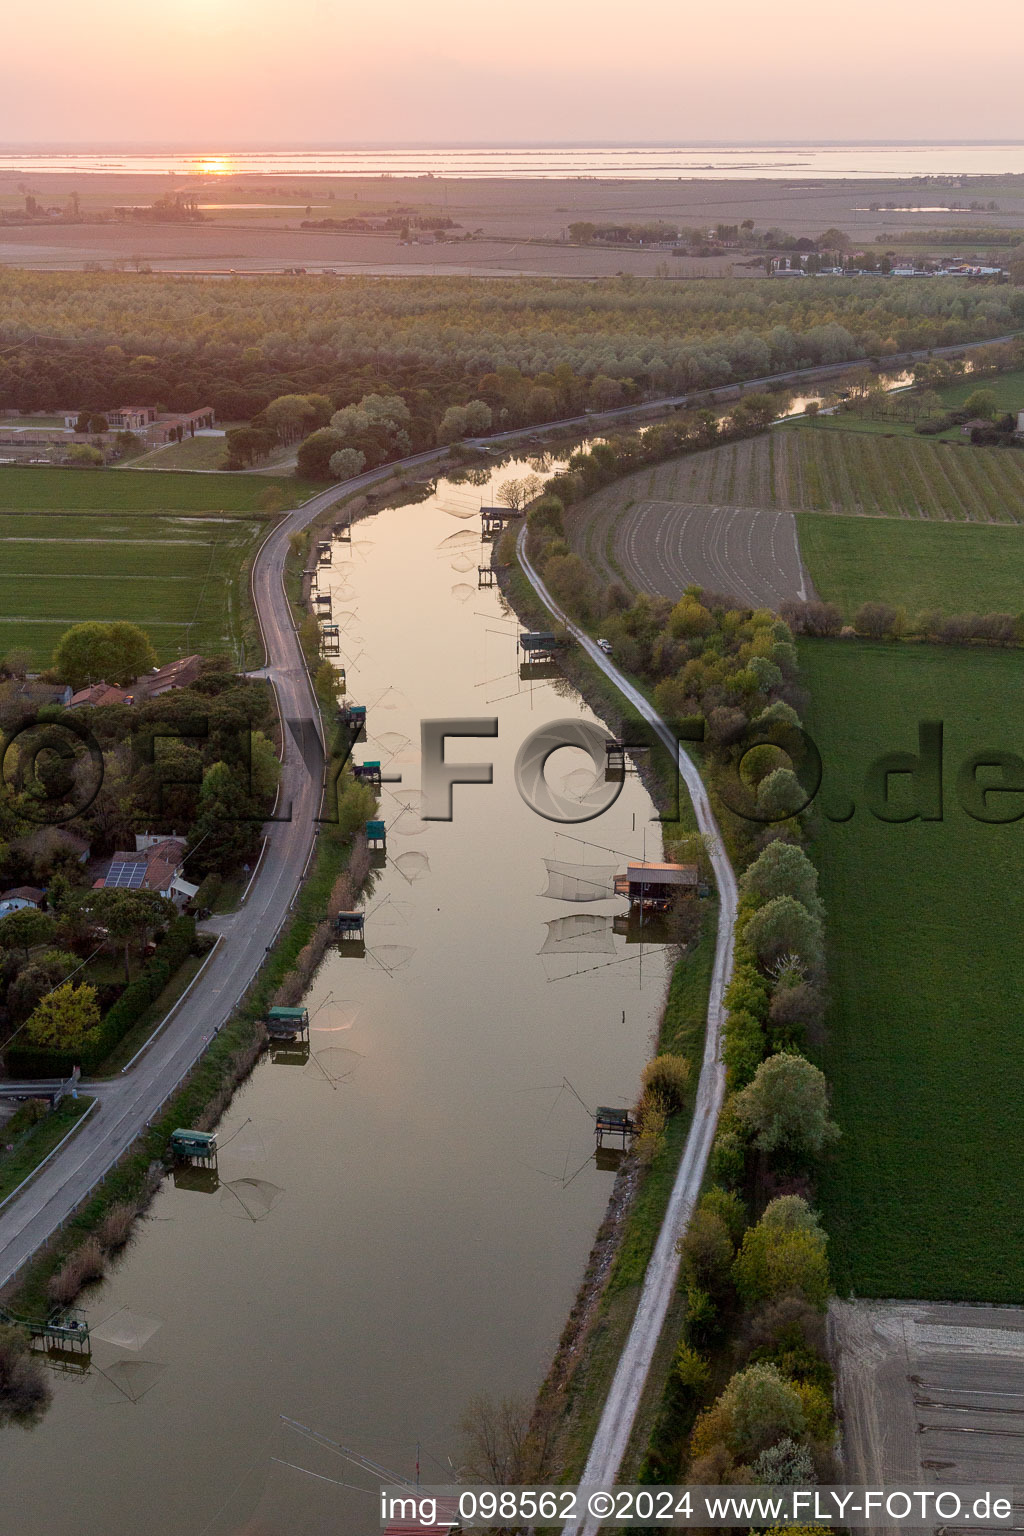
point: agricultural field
(915, 566)
(168, 552)
(191, 453)
(804, 469)
(924, 1193)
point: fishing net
(127, 1329)
(413, 865)
(336, 1063)
(579, 882)
(250, 1199)
(462, 591)
(393, 956)
(584, 933)
(334, 1017)
(463, 563)
(128, 1379)
(463, 540)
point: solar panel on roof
(126, 876)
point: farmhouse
(176, 674)
(99, 694)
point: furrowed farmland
(924, 1193)
(811, 470)
(168, 552)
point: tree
(33, 981)
(784, 926)
(290, 417)
(782, 869)
(98, 423)
(347, 463)
(758, 1408)
(95, 652)
(785, 1107)
(878, 621)
(780, 795)
(130, 917)
(24, 929)
(66, 1018)
(707, 1253)
(313, 461)
(982, 402)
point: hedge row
(26, 1060)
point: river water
(401, 1221)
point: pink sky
(237, 71)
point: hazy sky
(237, 71)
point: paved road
(751, 553)
(127, 1104)
(616, 1424)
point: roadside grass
(924, 1194)
(16, 1166)
(914, 565)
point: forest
(96, 339)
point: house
(976, 423)
(19, 897)
(34, 694)
(1020, 423)
(99, 694)
(176, 674)
(155, 867)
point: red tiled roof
(101, 693)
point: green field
(1008, 389)
(136, 490)
(190, 453)
(924, 1195)
(860, 474)
(169, 552)
(916, 566)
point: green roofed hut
(288, 1023)
(200, 1146)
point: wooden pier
(486, 576)
(343, 531)
(322, 605)
(323, 551)
(367, 773)
(62, 1330)
(655, 887)
(539, 645)
(376, 835)
(330, 640)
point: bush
(668, 1076)
(816, 619)
(878, 621)
(116, 1227)
(83, 1265)
(758, 1408)
(743, 1049)
(706, 1249)
(24, 1392)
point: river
(400, 1222)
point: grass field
(963, 569)
(924, 1195)
(191, 453)
(169, 552)
(804, 469)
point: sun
(214, 165)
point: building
(176, 674)
(19, 897)
(154, 866)
(99, 694)
(648, 884)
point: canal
(400, 1222)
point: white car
(606, 646)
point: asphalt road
(616, 1423)
(128, 1103)
(750, 553)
